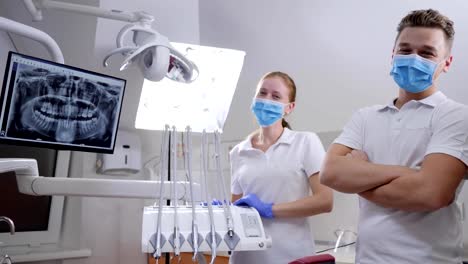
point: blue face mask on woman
(412, 72)
(267, 112)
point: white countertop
(346, 255)
(44, 255)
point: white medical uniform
(404, 137)
(278, 175)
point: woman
(272, 171)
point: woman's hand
(264, 209)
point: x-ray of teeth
(60, 107)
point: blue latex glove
(264, 209)
(213, 202)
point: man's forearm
(429, 188)
(355, 176)
(406, 193)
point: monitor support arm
(29, 182)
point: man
(407, 159)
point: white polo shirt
(278, 175)
(404, 137)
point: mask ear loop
(438, 65)
(287, 113)
(443, 61)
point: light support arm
(151, 51)
(30, 183)
(99, 187)
(35, 8)
(34, 34)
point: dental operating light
(149, 50)
(203, 104)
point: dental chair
(317, 259)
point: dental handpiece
(188, 163)
(208, 196)
(221, 180)
(162, 174)
(174, 191)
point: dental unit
(175, 222)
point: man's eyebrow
(424, 47)
(403, 44)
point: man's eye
(404, 52)
(427, 54)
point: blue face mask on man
(267, 112)
(412, 72)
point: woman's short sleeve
(235, 185)
(314, 154)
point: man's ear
(448, 63)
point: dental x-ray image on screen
(52, 105)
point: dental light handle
(162, 173)
(135, 28)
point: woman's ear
(289, 108)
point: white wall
(338, 52)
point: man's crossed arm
(431, 187)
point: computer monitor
(52, 105)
